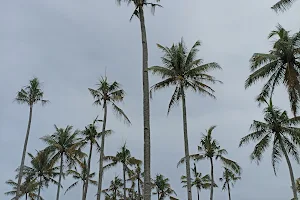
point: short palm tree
(107, 93)
(30, 95)
(183, 70)
(280, 131)
(28, 189)
(209, 148)
(137, 175)
(114, 190)
(81, 176)
(283, 5)
(198, 181)
(229, 178)
(280, 66)
(123, 157)
(163, 187)
(65, 144)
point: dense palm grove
(69, 151)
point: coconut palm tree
(107, 93)
(42, 169)
(115, 186)
(30, 95)
(280, 66)
(65, 144)
(282, 5)
(28, 189)
(163, 187)
(198, 181)
(183, 70)
(81, 176)
(137, 175)
(123, 157)
(229, 177)
(209, 148)
(280, 131)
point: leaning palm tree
(105, 94)
(65, 145)
(30, 95)
(123, 157)
(163, 187)
(280, 131)
(183, 70)
(114, 190)
(198, 181)
(209, 148)
(28, 189)
(280, 66)
(81, 176)
(282, 5)
(139, 13)
(229, 178)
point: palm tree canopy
(229, 177)
(114, 189)
(277, 126)
(280, 66)
(282, 5)
(182, 69)
(163, 187)
(31, 94)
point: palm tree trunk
(102, 152)
(212, 179)
(86, 185)
(186, 146)
(26, 196)
(24, 154)
(157, 194)
(39, 191)
(83, 186)
(139, 190)
(228, 188)
(146, 106)
(124, 179)
(290, 169)
(198, 194)
(60, 175)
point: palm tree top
(228, 177)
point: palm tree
(107, 93)
(136, 175)
(280, 66)
(163, 187)
(30, 95)
(209, 148)
(28, 188)
(283, 5)
(81, 176)
(115, 185)
(123, 157)
(66, 147)
(184, 71)
(280, 131)
(229, 177)
(42, 169)
(199, 181)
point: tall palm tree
(210, 149)
(115, 185)
(163, 187)
(282, 5)
(184, 71)
(280, 66)
(198, 181)
(81, 176)
(107, 93)
(280, 131)
(123, 157)
(65, 144)
(42, 169)
(136, 175)
(30, 95)
(28, 189)
(139, 13)
(229, 177)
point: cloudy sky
(68, 44)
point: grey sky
(68, 44)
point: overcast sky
(68, 44)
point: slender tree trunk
(212, 179)
(24, 154)
(86, 185)
(102, 152)
(115, 194)
(198, 193)
(290, 169)
(157, 194)
(186, 146)
(39, 191)
(83, 186)
(60, 175)
(228, 188)
(146, 107)
(124, 179)
(26, 196)
(139, 189)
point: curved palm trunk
(86, 185)
(186, 147)
(39, 191)
(198, 194)
(228, 188)
(146, 106)
(60, 175)
(290, 169)
(102, 152)
(212, 179)
(124, 179)
(24, 154)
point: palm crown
(113, 191)
(28, 188)
(163, 187)
(229, 177)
